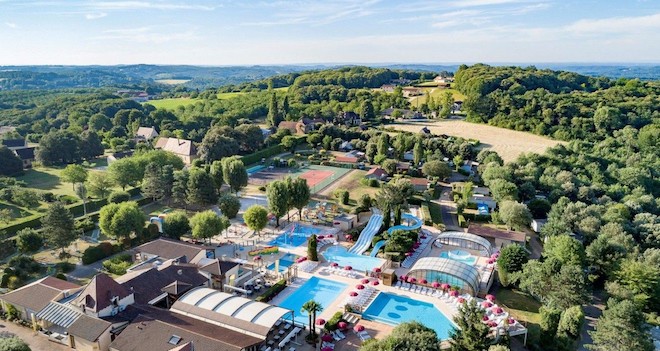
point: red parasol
(492, 324)
(484, 318)
(511, 321)
(334, 264)
(342, 325)
(358, 328)
(412, 279)
(359, 287)
(321, 236)
(327, 348)
(375, 282)
(486, 304)
(453, 293)
(497, 310)
(424, 281)
(257, 258)
(435, 285)
(353, 294)
(326, 338)
(490, 297)
(409, 254)
(320, 321)
(365, 281)
(444, 286)
(377, 270)
(460, 300)
(348, 268)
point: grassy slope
(436, 93)
(173, 103)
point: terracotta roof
(347, 159)
(419, 181)
(154, 330)
(36, 296)
(290, 125)
(99, 292)
(497, 233)
(170, 249)
(89, 328)
(149, 283)
(177, 146)
(377, 171)
(218, 267)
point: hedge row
(265, 153)
(271, 292)
(98, 252)
(461, 221)
(477, 217)
(426, 214)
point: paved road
(35, 341)
(448, 209)
(591, 313)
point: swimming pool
(320, 290)
(394, 309)
(286, 261)
(344, 258)
(295, 236)
(254, 169)
(460, 256)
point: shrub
(25, 263)
(331, 324)
(118, 196)
(47, 197)
(95, 253)
(271, 292)
(85, 224)
(426, 214)
(67, 199)
(312, 253)
(28, 240)
(64, 267)
(374, 183)
(60, 276)
(12, 312)
(462, 222)
(118, 264)
(229, 204)
(342, 195)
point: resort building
(32, 298)
(499, 237)
(168, 249)
(446, 270)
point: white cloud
(314, 12)
(148, 34)
(11, 25)
(97, 15)
(141, 5)
(615, 25)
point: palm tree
(312, 307)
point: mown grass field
(172, 81)
(171, 104)
(436, 93)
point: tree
(58, 226)
(179, 187)
(28, 240)
(607, 118)
(74, 174)
(418, 153)
(273, 118)
(217, 174)
(206, 225)
(556, 285)
(458, 161)
(58, 147)
(640, 282)
(367, 109)
(6, 215)
(200, 188)
(125, 172)
(621, 327)
(229, 205)
(299, 194)
(383, 144)
(314, 139)
(217, 145)
(364, 202)
(565, 249)
(13, 344)
(290, 142)
(539, 208)
(278, 196)
(167, 180)
(390, 165)
(81, 191)
(512, 259)
(251, 138)
(447, 104)
(285, 107)
(90, 145)
(256, 218)
(394, 196)
(312, 251)
(99, 184)
(176, 224)
(503, 190)
(571, 322)
(235, 174)
(472, 333)
(342, 195)
(515, 215)
(11, 164)
(121, 220)
(118, 196)
(311, 308)
(408, 336)
(436, 168)
(152, 183)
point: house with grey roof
(183, 148)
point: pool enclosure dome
(467, 241)
(445, 270)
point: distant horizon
(335, 32)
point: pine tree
(167, 180)
(179, 187)
(418, 153)
(472, 333)
(58, 226)
(152, 183)
(285, 107)
(368, 110)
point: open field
(351, 182)
(436, 93)
(509, 144)
(47, 179)
(171, 104)
(172, 81)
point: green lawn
(225, 96)
(436, 93)
(522, 307)
(171, 104)
(47, 179)
(16, 212)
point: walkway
(592, 312)
(448, 209)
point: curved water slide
(377, 247)
(367, 234)
(414, 223)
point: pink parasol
(495, 255)
(326, 338)
(460, 300)
(375, 282)
(409, 254)
(359, 287)
(334, 264)
(511, 321)
(321, 236)
(257, 258)
(358, 328)
(348, 237)
(348, 268)
(490, 261)
(424, 281)
(492, 324)
(486, 304)
(497, 310)
(403, 277)
(327, 348)
(444, 286)
(365, 281)
(484, 318)
(353, 294)
(490, 297)
(412, 279)
(329, 236)
(453, 293)
(377, 270)
(423, 236)
(435, 285)
(320, 321)
(342, 325)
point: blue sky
(327, 31)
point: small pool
(286, 261)
(394, 310)
(295, 236)
(320, 290)
(254, 169)
(460, 256)
(344, 258)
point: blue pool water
(394, 310)
(320, 290)
(460, 256)
(295, 237)
(285, 262)
(344, 258)
(254, 169)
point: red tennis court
(314, 177)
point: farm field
(171, 104)
(435, 93)
(172, 81)
(509, 144)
